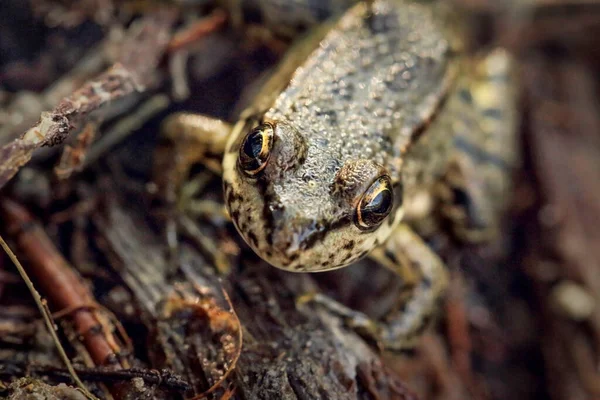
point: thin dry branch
(135, 71)
(41, 304)
(63, 287)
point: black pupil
(253, 145)
(379, 206)
(381, 203)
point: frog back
(370, 88)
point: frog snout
(293, 241)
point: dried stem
(162, 378)
(64, 287)
(47, 319)
(135, 71)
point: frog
(374, 121)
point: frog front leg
(425, 278)
(187, 140)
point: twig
(162, 378)
(58, 279)
(47, 319)
(25, 107)
(126, 125)
(135, 71)
(197, 31)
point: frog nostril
(308, 177)
(308, 234)
(293, 236)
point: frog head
(299, 204)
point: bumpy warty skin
(362, 99)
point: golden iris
(256, 149)
(375, 204)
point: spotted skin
(382, 91)
(474, 189)
(359, 104)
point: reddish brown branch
(62, 285)
(197, 31)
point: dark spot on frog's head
(229, 196)
(375, 23)
(235, 216)
(252, 238)
(308, 176)
(298, 234)
(349, 245)
(347, 257)
(226, 187)
(232, 197)
(329, 115)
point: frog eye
(256, 149)
(375, 204)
